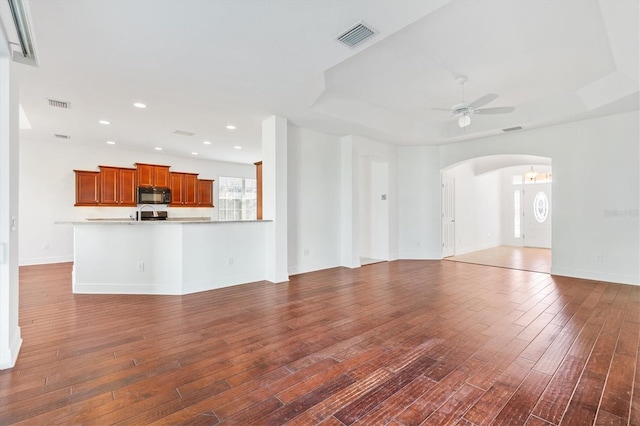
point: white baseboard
(596, 276)
(45, 260)
(9, 356)
(303, 269)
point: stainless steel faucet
(139, 211)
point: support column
(349, 206)
(274, 196)
(10, 340)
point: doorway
(497, 206)
(373, 211)
(448, 216)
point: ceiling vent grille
(183, 133)
(59, 104)
(59, 136)
(512, 129)
(355, 35)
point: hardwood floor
(524, 258)
(397, 343)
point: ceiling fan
(464, 110)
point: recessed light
(139, 105)
(237, 147)
(194, 153)
(104, 122)
(231, 127)
(111, 143)
(157, 148)
(206, 142)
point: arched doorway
(502, 212)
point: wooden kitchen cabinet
(87, 188)
(128, 187)
(259, 188)
(117, 186)
(184, 189)
(205, 193)
(153, 175)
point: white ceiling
(200, 65)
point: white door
(537, 215)
(448, 217)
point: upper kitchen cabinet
(205, 193)
(117, 186)
(87, 188)
(153, 175)
(184, 189)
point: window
(237, 198)
(516, 213)
(541, 207)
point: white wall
(47, 191)
(478, 208)
(419, 202)
(375, 152)
(10, 339)
(314, 206)
(596, 167)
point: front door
(537, 215)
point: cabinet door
(87, 188)
(177, 180)
(190, 190)
(205, 193)
(146, 174)
(161, 177)
(127, 187)
(108, 185)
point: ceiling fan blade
(483, 100)
(497, 110)
(440, 109)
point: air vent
(512, 129)
(59, 136)
(59, 104)
(355, 35)
(183, 133)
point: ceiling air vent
(59, 104)
(512, 129)
(59, 136)
(183, 133)
(356, 34)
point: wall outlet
(230, 261)
(599, 257)
(140, 266)
(45, 246)
(306, 252)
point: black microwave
(147, 195)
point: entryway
(497, 211)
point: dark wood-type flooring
(397, 343)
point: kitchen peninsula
(172, 257)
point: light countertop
(169, 221)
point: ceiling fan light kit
(464, 110)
